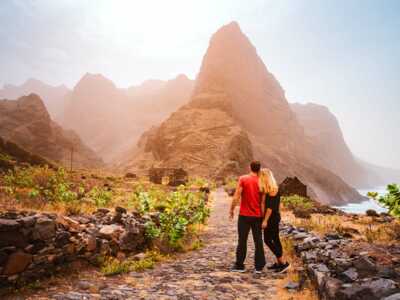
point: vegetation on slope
(391, 200)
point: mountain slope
(27, 123)
(52, 96)
(110, 120)
(237, 111)
(323, 129)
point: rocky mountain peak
(32, 105)
(94, 83)
(232, 67)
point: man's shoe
(257, 271)
(273, 267)
(282, 268)
(235, 269)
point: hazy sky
(342, 54)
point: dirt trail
(200, 274)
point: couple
(259, 198)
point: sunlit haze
(342, 54)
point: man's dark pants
(246, 223)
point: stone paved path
(201, 274)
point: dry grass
(319, 224)
(363, 228)
(382, 233)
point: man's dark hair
(255, 166)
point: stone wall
(340, 272)
(176, 176)
(34, 245)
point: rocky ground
(200, 274)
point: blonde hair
(268, 183)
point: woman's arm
(266, 218)
(268, 211)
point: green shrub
(231, 183)
(100, 196)
(41, 182)
(391, 200)
(177, 211)
(297, 202)
(5, 157)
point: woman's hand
(264, 224)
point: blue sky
(342, 54)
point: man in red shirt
(250, 217)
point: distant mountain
(110, 120)
(324, 131)
(237, 112)
(12, 155)
(162, 97)
(53, 96)
(386, 175)
(27, 123)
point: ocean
(362, 207)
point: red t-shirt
(250, 205)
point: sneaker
(257, 271)
(235, 269)
(282, 268)
(273, 267)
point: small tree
(391, 200)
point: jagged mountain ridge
(27, 123)
(238, 111)
(52, 96)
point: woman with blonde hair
(270, 191)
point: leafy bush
(5, 157)
(199, 182)
(177, 211)
(231, 183)
(100, 196)
(297, 202)
(391, 200)
(41, 182)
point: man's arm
(235, 200)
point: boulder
(364, 265)
(111, 232)
(380, 287)
(8, 225)
(356, 292)
(350, 275)
(331, 288)
(17, 262)
(392, 297)
(130, 175)
(44, 229)
(13, 238)
(302, 213)
(62, 238)
(91, 243)
(371, 213)
(132, 239)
